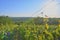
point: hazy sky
(20, 8)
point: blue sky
(20, 8)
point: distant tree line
(37, 20)
(5, 20)
(50, 21)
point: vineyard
(33, 29)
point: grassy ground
(29, 32)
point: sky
(21, 8)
